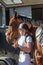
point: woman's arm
(27, 48)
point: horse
(39, 49)
(12, 31)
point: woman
(25, 45)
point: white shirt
(24, 59)
(22, 41)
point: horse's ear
(15, 14)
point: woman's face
(22, 31)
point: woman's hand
(15, 45)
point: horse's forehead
(13, 22)
(39, 28)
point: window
(17, 1)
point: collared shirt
(23, 57)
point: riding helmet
(23, 26)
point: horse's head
(13, 28)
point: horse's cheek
(42, 49)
